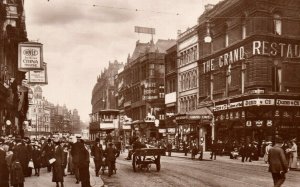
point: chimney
(208, 7)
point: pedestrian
(214, 149)
(57, 168)
(292, 155)
(4, 174)
(65, 149)
(84, 161)
(185, 148)
(110, 155)
(248, 152)
(242, 152)
(267, 149)
(36, 158)
(194, 151)
(48, 153)
(75, 151)
(201, 151)
(278, 165)
(28, 146)
(18, 167)
(97, 154)
(169, 148)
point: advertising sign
(145, 30)
(30, 56)
(38, 77)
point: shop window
(277, 24)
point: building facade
(13, 96)
(250, 69)
(102, 122)
(169, 129)
(143, 87)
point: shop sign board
(38, 77)
(162, 130)
(285, 102)
(236, 105)
(171, 130)
(30, 56)
(220, 107)
(259, 102)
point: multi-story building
(190, 118)
(38, 114)
(105, 116)
(143, 87)
(170, 128)
(250, 69)
(12, 110)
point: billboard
(38, 77)
(30, 56)
(145, 30)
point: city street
(177, 171)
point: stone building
(13, 96)
(249, 71)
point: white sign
(284, 102)
(258, 102)
(171, 130)
(30, 56)
(170, 98)
(220, 107)
(236, 105)
(162, 130)
(38, 77)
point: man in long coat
(97, 153)
(58, 174)
(48, 153)
(84, 161)
(110, 155)
(19, 154)
(75, 152)
(278, 165)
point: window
(277, 24)
(244, 31)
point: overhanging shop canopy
(200, 111)
(198, 114)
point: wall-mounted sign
(171, 130)
(162, 130)
(220, 107)
(30, 56)
(38, 77)
(284, 102)
(236, 105)
(259, 102)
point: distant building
(103, 101)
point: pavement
(45, 179)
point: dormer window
(277, 24)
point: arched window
(277, 24)
(243, 24)
(226, 35)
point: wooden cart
(143, 158)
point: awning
(200, 111)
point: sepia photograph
(149, 93)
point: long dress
(293, 157)
(58, 174)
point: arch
(277, 23)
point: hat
(97, 139)
(254, 142)
(293, 140)
(78, 136)
(269, 142)
(110, 143)
(49, 140)
(278, 139)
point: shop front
(256, 118)
(194, 128)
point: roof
(163, 45)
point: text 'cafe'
(257, 119)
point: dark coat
(20, 155)
(75, 150)
(58, 174)
(84, 156)
(36, 158)
(48, 151)
(277, 161)
(16, 173)
(4, 174)
(97, 152)
(110, 154)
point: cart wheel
(157, 163)
(134, 163)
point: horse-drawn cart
(143, 158)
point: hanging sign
(284, 102)
(30, 56)
(38, 77)
(259, 102)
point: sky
(80, 37)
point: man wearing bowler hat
(75, 151)
(278, 165)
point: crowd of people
(25, 157)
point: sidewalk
(206, 157)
